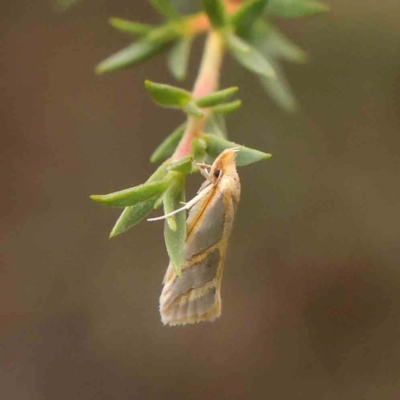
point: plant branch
(207, 81)
(199, 22)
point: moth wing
(205, 224)
(195, 295)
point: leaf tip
(172, 224)
(177, 269)
(96, 197)
(264, 156)
(113, 233)
(100, 69)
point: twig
(207, 81)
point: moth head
(224, 164)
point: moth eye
(217, 173)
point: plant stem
(207, 81)
(199, 22)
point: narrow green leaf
(131, 27)
(271, 41)
(153, 43)
(244, 19)
(165, 8)
(184, 165)
(168, 146)
(166, 33)
(245, 155)
(226, 108)
(170, 204)
(216, 98)
(215, 10)
(199, 149)
(192, 109)
(175, 233)
(131, 55)
(178, 58)
(248, 56)
(236, 44)
(295, 8)
(167, 95)
(160, 172)
(215, 124)
(274, 45)
(132, 215)
(282, 47)
(279, 90)
(131, 196)
(159, 202)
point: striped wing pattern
(195, 295)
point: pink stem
(207, 82)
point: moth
(195, 296)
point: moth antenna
(206, 175)
(167, 215)
(203, 170)
(187, 206)
(203, 165)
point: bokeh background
(311, 292)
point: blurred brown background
(311, 293)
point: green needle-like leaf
(192, 109)
(131, 55)
(165, 8)
(178, 58)
(132, 215)
(282, 47)
(248, 56)
(131, 196)
(131, 27)
(168, 146)
(216, 13)
(226, 108)
(199, 149)
(295, 8)
(216, 98)
(159, 202)
(153, 43)
(272, 42)
(274, 45)
(279, 90)
(175, 232)
(245, 156)
(166, 33)
(244, 19)
(184, 165)
(167, 95)
(215, 124)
